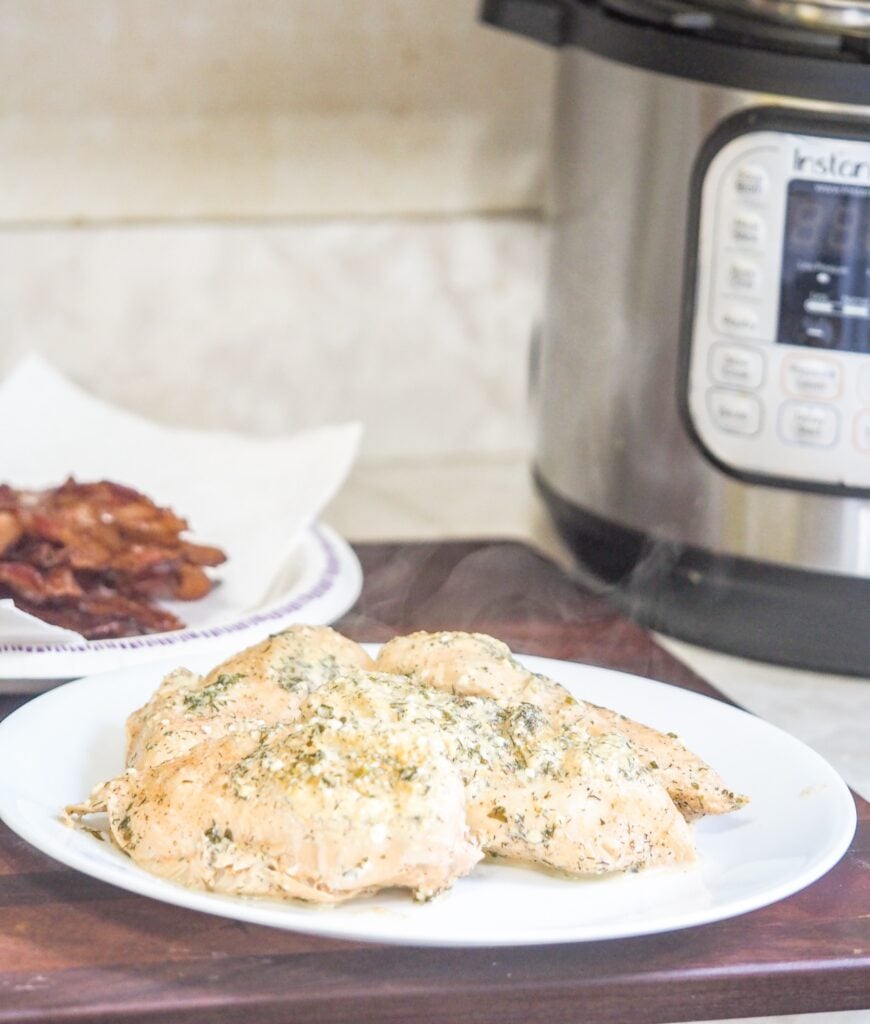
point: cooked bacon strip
(192, 583)
(30, 583)
(99, 618)
(93, 556)
(184, 583)
(202, 554)
(10, 531)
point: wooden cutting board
(75, 949)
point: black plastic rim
(753, 61)
(802, 619)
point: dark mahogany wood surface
(74, 949)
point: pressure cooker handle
(544, 20)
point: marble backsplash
(418, 328)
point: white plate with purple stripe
(320, 582)
(798, 824)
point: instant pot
(702, 375)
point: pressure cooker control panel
(778, 356)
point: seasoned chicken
(252, 690)
(476, 664)
(536, 789)
(297, 769)
(314, 813)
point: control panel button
(747, 228)
(734, 411)
(808, 377)
(816, 331)
(737, 366)
(805, 423)
(862, 431)
(857, 308)
(743, 277)
(821, 307)
(751, 181)
(736, 319)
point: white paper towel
(252, 497)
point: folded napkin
(252, 497)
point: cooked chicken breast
(537, 789)
(313, 812)
(476, 664)
(246, 694)
(298, 768)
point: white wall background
(129, 109)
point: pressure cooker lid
(790, 25)
(825, 27)
(834, 16)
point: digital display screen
(825, 284)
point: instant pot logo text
(833, 164)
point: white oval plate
(321, 581)
(798, 825)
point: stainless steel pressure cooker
(702, 380)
